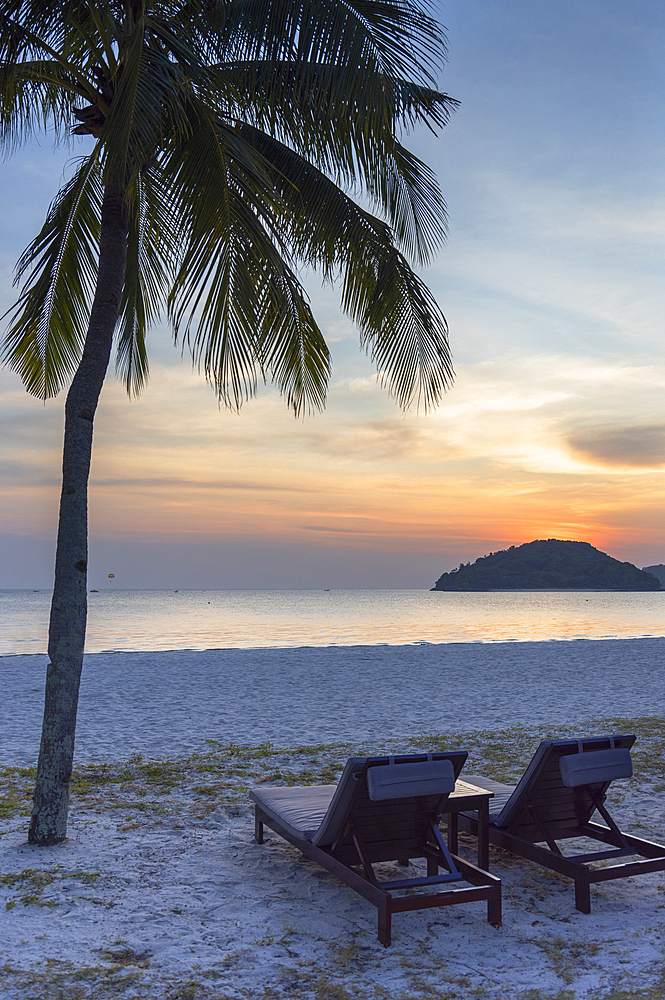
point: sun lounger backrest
(398, 781)
(590, 766)
(340, 802)
(352, 796)
(560, 808)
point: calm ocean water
(141, 620)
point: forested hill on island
(658, 571)
(548, 565)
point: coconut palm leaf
(351, 152)
(400, 323)
(235, 295)
(50, 319)
(152, 252)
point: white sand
(161, 892)
(208, 904)
(161, 703)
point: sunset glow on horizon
(552, 284)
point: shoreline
(353, 645)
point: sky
(551, 281)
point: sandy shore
(161, 892)
(160, 703)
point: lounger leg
(583, 894)
(453, 828)
(404, 862)
(483, 835)
(385, 920)
(494, 910)
(432, 867)
(258, 827)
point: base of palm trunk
(48, 823)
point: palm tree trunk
(48, 824)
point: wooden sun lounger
(383, 809)
(563, 786)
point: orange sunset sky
(553, 286)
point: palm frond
(236, 302)
(293, 349)
(347, 130)
(237, 130)
(414, 204)
(400, 322)
(398, 37)
(147, 106)
(49, 322)
(37, 94)
(126, 117)
(152, 252)
(404, 332)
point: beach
(159, 703)
(161, 891)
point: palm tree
(222, 140)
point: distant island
(658, 571)
(549, 565)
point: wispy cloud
(622, 447)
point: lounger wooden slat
(545, 808)
(383, 809)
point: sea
(143, 620)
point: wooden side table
(470, 798)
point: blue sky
(552, 283)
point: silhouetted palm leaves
(239, 131)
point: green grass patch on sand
(128, 980)
(190, 788)
(28, 885)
